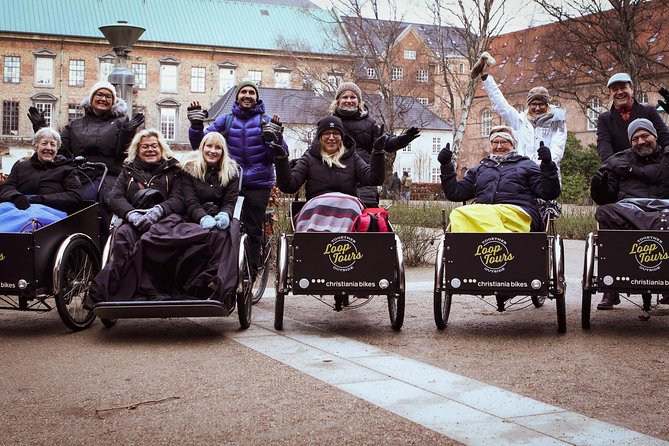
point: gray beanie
(344, 86)
(638, 124)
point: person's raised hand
(134, 123)
(196, 115)
(445, 155)
(380, 141)
(272, 131)
(36, 118)
(544, 153)
(409, 135)
(600, 181)
(664, 104)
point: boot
(501, 300)
(608, 301)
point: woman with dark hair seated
(46, 179)
(331, 170)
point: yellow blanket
(490, 218)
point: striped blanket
(332, 212)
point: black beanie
(329, 122)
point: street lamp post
(122, 36)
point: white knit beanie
(102, 84)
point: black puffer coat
(164, 176)
(515, 180)
(634, 176)
(321, 179)
(57, 182)
(98, 138)
(208, 197)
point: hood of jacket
(119, 108)
(59, 160)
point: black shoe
(501, 300)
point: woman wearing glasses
(504, 186)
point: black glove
(600, 182)
(380, 141)
(37, 118)
(134, 123)
(409, 135)
(196, 116)
(665, 94)
(21, 202)
(37, 199)
(272, 132)
(544, 153)
(445, 155)
(277, 150)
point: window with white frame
(74, 111)
(76, 73)
(10, 118)
(47, 109)
(397, 73)
(594, 109)
(486, 122)
(226, 79)
(410, 54)
(424, 101)
(462, 67)
(139, 69)
(197, 79)
(422, 75)
(435, 175)
(169, 77)
(255, 76)
(334, 80)
(168, 119)
(371, 73)
(407, 149)
(106, 67)
(12, 70)
(282, 79)
(44, 71)
(643, 97)
(436, 144)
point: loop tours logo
(649, 253)
(342, 253)
(494, 254)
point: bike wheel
(396, 310)
(442, 308)
(262, 275)
(80, 263)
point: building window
(12, 74)
(10, 118)
(594, 109)
(462, 67)
(436, 144)
(421, 75)
(410, 54)
(486, 122)
(168, 119)
(334, 81)
(407, 149)
(397, 73)
(424, 101)
(169, 75)
(46, 108)
(74, 111)
(643, 97)
(106, 67)
(226, 79)
(256, 77)
(435, 176)
(282, 79)
(371, 73)
(44, 71)
(197, 79)
(77, 71)
(139, 69)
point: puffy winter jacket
(515, 180)
(57, 182)
(98, 138)
(245, 144)
(208, 197)
(634, 176)
(164, 176)
(321, 179)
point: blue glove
(222, 220)
(207, 222)
(154, 214)
(137, 220)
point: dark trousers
(253, 216)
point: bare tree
(599, 38)
(463, 31)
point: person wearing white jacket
(540, 122)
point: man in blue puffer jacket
(254, 142)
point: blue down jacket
(245, 144)
(514, 180)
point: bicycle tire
(262, 275)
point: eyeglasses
(104, 96)
(153, 146)
(331, 133)
(538, 105)
(502, 143)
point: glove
(380, 142)
(37, 199)
(272, 132)
(544, 153)
(207, 222)
(665, 94)
(37, 118)
(154, 214)
(196, 115)
(409, 135)
(600, 182)
(277, 150)
(134, 123)
(222, 220)
(21, 202)
(445, 155)
(137, 220)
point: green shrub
(578, 165)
